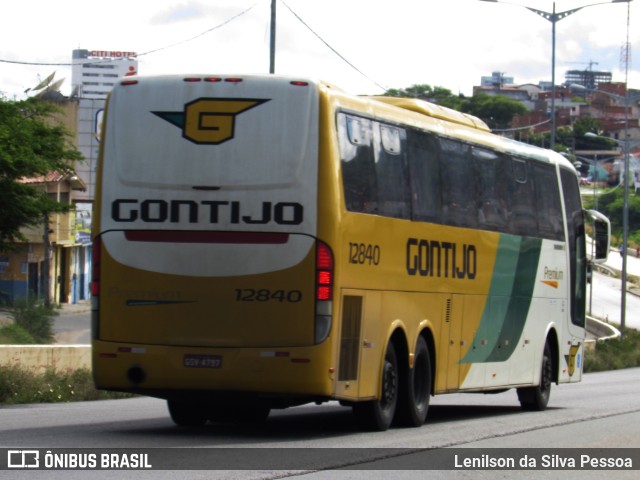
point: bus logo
(209, 121)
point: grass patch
(14, 334)
(615, 353)
(18, 385)
(32, 323)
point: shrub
(18, 385)
(615, 353)
(14, 334)
(34, 317)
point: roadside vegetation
(32, 323)
(19, 385)
(615, 353)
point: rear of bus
(208, 276)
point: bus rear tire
(186, 414)
(416, 392)
(377, 415)
(537, 398)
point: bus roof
(436, 111)
(451, 116)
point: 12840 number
(266, 295)
(364, 254)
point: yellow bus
(261, 242)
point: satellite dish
(44, 82)
(54, 87)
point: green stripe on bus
(509, 300)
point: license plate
(202, 361)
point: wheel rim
(389, 385)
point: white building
(94, 74)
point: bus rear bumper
(164, 371)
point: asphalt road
(603, 411)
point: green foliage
(13, 334)
(612, 204)
(496, 110)
(585, 125)
(18, 385)
(35, 318)
(31, 145)
(439, 95)
(614, 354)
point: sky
(361, 46)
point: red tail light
(324, 272)
(95, 267)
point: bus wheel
(378, 414)
(537, 398)
(187, 414)
(415, 393)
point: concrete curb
(40, 358)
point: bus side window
(424, 177)
(523, 219)
(358, 165)
(548, 206)
(391, 171)
(492, 172)
(458, 184)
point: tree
(439, 95)
(32, 144)
(497, 111)
(585, 125)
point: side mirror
(602, 235)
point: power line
(41, 64)
(201, 34)
(526, 127)
(155, 50)
(333, 49)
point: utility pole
(46, 264)
(272, 49)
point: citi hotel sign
(111, 54)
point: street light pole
(554, 18)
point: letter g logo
(209, 121)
